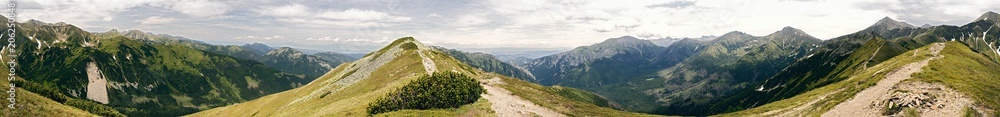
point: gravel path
(866, 102)
(931, 99)
(508, 105)
(429, 65)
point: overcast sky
(487, 23)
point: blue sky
(349, 24)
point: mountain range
(737, 71)
(890, 68)
(141, 74)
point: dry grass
(353, 100)
(847, 88)
(30, 104)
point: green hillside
(488, 63)
(284, 59)
(839, 58)
(138, 77)
(350, 88)
(35, 104)
(732, 62)
(958, 67)
(613, 61)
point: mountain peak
(259, 48)
(134, 31)
(284, 51)
(735, 34)
(788, 30)
(887, 19)
(989, 16)
(257, 44)
(791, 33)
(403, 39)
(926, 26)
(623, 41)
(405, 43)
(889, 23)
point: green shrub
(50, 92)
(440, 90)
(94, 107)
(409, 46)
(44, 90)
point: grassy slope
(144, 78)
(32, 104)
(837, 60)
(348, 102)
(487, 62)
(731, 63)
(304, 65)
(353, 100)
(569, 101)
(841, 91)
(968, 72)
(480, 108)
(629, 74)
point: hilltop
(348, 89)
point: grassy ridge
(966, 71)
(974, 69)
(833, 93)
(350, 100)
(404, 69)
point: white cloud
(294, 10)
(933, 12)
(297, 13)
(259, 38)
(87, 11)
(156, 20)
(72, 11)
(338, 39)
(107, 19)
(361, 15)
(197, 8)
(471, 20)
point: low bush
(440, 90)
(51, 92)
(94, 107)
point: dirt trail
(508, 105)
(429, 65)
(866, 102)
